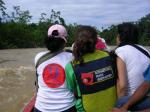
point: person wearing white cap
(52, 93)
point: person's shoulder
(144, 48)
(101, 53)
(130, 48)
(39, 55)
(66, 55)
(69, 54)
(123, 48)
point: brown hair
(86, 37)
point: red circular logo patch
(54, 75)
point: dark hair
(86, 37)
(128, 33)
(54, 44)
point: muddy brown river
(17, 77)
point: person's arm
(73, 86)
(138, 95)
(141, 91)
(121, 81)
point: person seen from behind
(53, 94)
(90, 75)
(132, 86)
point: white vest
(53, 94)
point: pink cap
(62, 32)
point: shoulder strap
(142, 50)
(49, 55)
(41, 59)
(68, 50)
(46, 57)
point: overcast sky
(99, 13)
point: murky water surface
(16, 88)
(17, 78)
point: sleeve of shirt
(73, 86)
(147, 74)
(121, 53)
(70, 78)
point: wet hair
(54, 44)
(86, 37)
(128, 33)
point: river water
(16, 88)
(17, 78)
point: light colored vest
(53, 94)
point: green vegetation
(16, 30)
(144, 31)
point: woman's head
(56, 38)
(86, 37)
(127, 34)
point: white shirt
(53, 96)
(136, 63)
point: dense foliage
(16, 30)
(144, 31)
